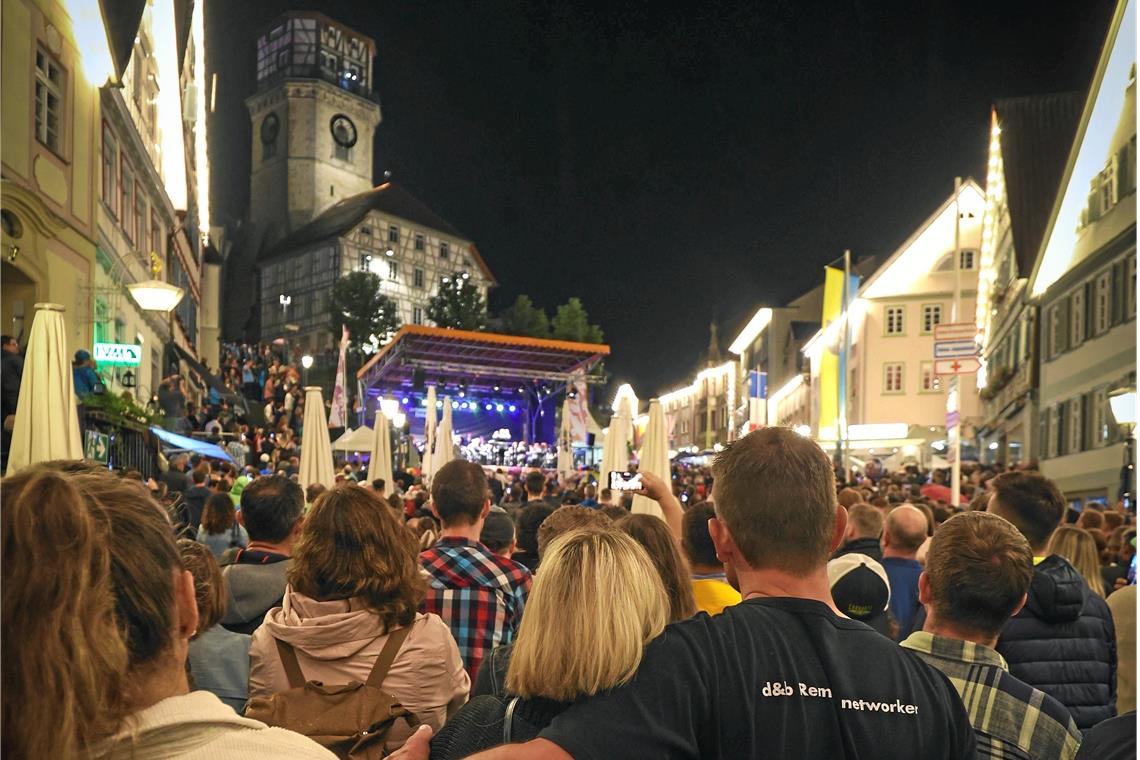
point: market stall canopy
(354, 440)
(485, 361)
(172, 443)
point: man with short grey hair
(905, 532)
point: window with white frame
(419, 244)
(931, 316)
(127, 197)
(1077, 318)
(417, 315)
(110, 170)
(1076, 429)
(967, 259)
(1054, 431)
(1102, 303)
(49, 101)
(1098, 414)
(894, 319)
(929, 381)
(893, 377)
(1054, 330)
(393, 234)
(444, 250)
(1130, 286)
(393, 270)
(418, 277)
(140, 218)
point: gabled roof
(388, 198)
(1036, 134)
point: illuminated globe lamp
(154, 294)
(399, 419)
(307, 361)
(390, 407)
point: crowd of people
(512, 614)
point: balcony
(312, 71)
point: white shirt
(199, 726)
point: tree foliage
(371, 317)
(458, 304)
(572, 323)
(524, 318)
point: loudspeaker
(590, 439)
(418, 379)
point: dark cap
(498, 530)
(860, 589)
(81, 356)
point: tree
(458, 304)
(371, 317)
(524, 318)
(572, 323)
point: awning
(174, 443)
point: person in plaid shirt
(477, 593)
(977, 576)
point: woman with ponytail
(97, 614)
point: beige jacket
(337, 642)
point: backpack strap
(508, 719)
(387, 656)
(292, 666)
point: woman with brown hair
(354, 580)
(101, 609)
(220, 529)
(1076, 545)
(652, 533)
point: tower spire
(714, 346)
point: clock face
(343, 130)
(270, 126)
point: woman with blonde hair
(592, 610)
(651, 532)
(99, 611)
(355, 581)
(1078, 546)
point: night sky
(671, 166)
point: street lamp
(390, 407)
(306, 363)
(1122, 401)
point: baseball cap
(498, 529)
(82, 356)
(861, 590)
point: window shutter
(1117, 290)
(1086, 423)
(1062, 428)
(1063, 308)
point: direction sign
(962, 366)
(956, 331)
(955, 349)
(118, 353)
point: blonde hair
(88, 561)
(1078, 546)
(596, 604)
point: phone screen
(1132, 572)
(625, 481)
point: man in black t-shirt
(780, 675)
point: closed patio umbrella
(654, 458)
(565, 445)
(47, 418)
(615, 450)
(429, 431)
(444, 446)
(380, 459)
(316, 451)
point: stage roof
(482, 360)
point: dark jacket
(868, 546)
(1064, 642)
(479, 725)
(195, 498)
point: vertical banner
(833, 370)
(579, 409)
(338, 415)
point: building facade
(1029, 142)
(98, 178)
(1085, 283)
(702, 412)
(891, 384)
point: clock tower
(314, 117)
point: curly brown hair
(351, 546)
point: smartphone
(625, 481)
(1132, 572)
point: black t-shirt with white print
(771, 678)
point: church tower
(314, 116)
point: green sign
(118, 353)
(97, 446)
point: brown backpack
(352, 720)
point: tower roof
(388, 198)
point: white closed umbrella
(654, 458)
(429, 431)
(615, 450)
(47, 418)
(380, 456)
(444, 446)
(316, 451)
(565, 445)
